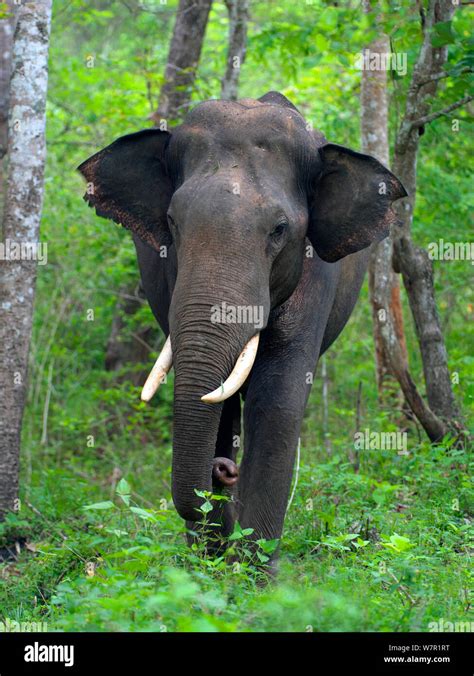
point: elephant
(253, 235)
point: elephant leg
(225, 471)
(275, 403)
(273, 415)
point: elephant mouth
(224, 471)
(232, 384)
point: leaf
(123, 491)
(322, 44)
(464, 64)
(221, 498)
(346, 537)
(201, 494)
(443, 34)
(144, 514)
(123, 487)
(398, 543)
(100, 505)
(116, 531)
(238, 533)
(262, 557)
(268, 546)
(206, 507)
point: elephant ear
(128, 182)
(350, 202)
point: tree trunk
(412, 261)
(183, 59)
(7, 26)
(126, 348)
(175, 96)
(384, 284)
(238, 17)
(26, 158)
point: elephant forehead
(231, 201)
(231, 193)
(245, 123)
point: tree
(26, 157)
(412, 261)
(7, 26)
(238, 17)
(175, 97)
(384, 286)
(440, 414)
(183, 59)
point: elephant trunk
(204, 354)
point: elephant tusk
(157, 374)
(239, 374)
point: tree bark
(26, 158)
(183, 59)
(238, 17)
(384, 286)
(434, 427)
(7, 26)
(412, 261)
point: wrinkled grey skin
(252, 209)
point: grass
(384, 548)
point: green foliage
(363, 565)
(101, 547)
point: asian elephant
(252, 235)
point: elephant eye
(278, 231)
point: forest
(379, 521)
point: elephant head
(240, 190)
